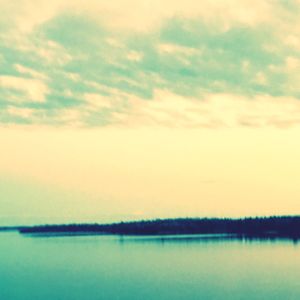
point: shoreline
(279, 226)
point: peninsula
(276, 226)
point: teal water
(110, 267)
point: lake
(114, 267)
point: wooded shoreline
(278, 226)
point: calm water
(109, 267)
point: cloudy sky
(129, 109)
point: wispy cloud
(172, 64)
(32, 90)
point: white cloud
(49, 52)
(171, 49)
(70, 117)
(20, 112)
(135, 56)
(213, 111)
(292, 63)
(292, 41)
(28, 71)
(34, 89)
(27, 14)
(260, 78)
(137, 14)
(97, 101)
(141, 15)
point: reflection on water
(151, 267)
(183, 238)
(204, 238)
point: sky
(134, 109)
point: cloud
(140, 15)
(32, 90)
(103, 63)
(28, 71)
(97, 101)
(213, 111)
(20, 112)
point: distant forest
(284, 226)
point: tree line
(283, 226)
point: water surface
(113, 267)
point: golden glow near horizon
(143, 173)
(142, 109)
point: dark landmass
(10, 228)
(260, 227)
